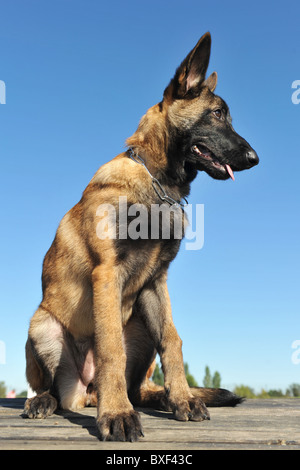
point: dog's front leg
(155, 307)
(116, 418)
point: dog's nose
(252, 157)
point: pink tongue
(230, 172)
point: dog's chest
(140, 262)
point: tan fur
(106, 310)
(151, 138)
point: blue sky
(79, 75)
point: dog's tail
(214, 397)
(151, 395)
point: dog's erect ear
(211, 81)
(191, 73)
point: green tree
(216, 380)
(294, 390)
(263, 394)
(244, 391)
(211, 381)
(207, 381)
(158, 376)
(276, 393)
(3, 390)
(190, 379)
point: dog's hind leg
(75, 374)
(43, 353)
(58, 368)
(154, 309)
(142, 391)
(140, 363)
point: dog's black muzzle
(239, 154)
(252, 158)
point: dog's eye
(218, 113)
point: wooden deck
(256, 424)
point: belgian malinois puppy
(106, 311)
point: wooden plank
(256, 424)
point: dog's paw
(120, 427)
(192, 409)
(40, 406)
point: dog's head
(202, 136)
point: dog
(105, 311)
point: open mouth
(209, 158)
